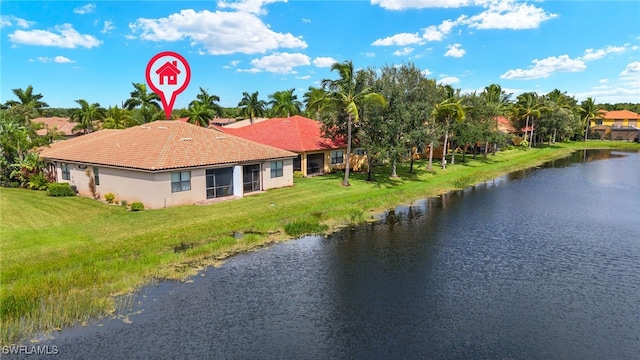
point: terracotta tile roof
(619, 114)
(504, 125)
(296, 133)
(161, 145)
(62, 124)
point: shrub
(109, 197)
(137, 206)
(123, 203)
(60, 189)
(38, 182)
(298, 174)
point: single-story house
(301, 135)
(168, 163)
(63, 125)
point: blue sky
(94, 50)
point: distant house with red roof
(301, 135)
(618, 118)
(169, 163)
(504, 125)
(62, 125)
(617, 125)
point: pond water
(538, 264)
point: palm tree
(589, 112)
(527, 107)
(315, 100)
(86, 115)
(284, 103)
(28, 105)
(114, 119)
(199, 114)
(251, 106)
(149, 103)
(209, 101)
(349, 92)
(445, 112)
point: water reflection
(547, 266)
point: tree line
(391, 113)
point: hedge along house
(303, 136)
(168, 163)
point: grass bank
(67, 260)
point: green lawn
(65, 260)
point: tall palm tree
(148, 103)
(199, 114)
(350, 92)
(252, 106)
(86, 115)
(448, 110)
(210, 101)
(528, 107)
(28, 105)
(284, 103)
(114, 119)
(314, 101)
(588, 112)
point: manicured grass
(66, 260)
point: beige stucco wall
(285, 180)
(154, 189)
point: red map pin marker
(168, 74)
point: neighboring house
(504, 125)
(316, 154)
(618, 118)
(169, 163)
(617, 125)
(62, 125)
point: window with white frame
(337, 157)
(276, 169)
(66, 174)
(180, 181)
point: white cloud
(107, 27)
(426, 72)
(67, 37)
(455, 50)
(545, 67)
(437, 33)
(281, 63)
(401, 39)
(252, 70)
(305, 77)
(593, 54)
(306, 21)
(508, 14)
(10, 20)
(218, 32)
(57, 59)
(369, 54)
(89, 8)
(631, 74)
(420, 4)
(603, 81)
(404, 52)
(323, 62)
(247, 6)
(612, 95)
(449, 80)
